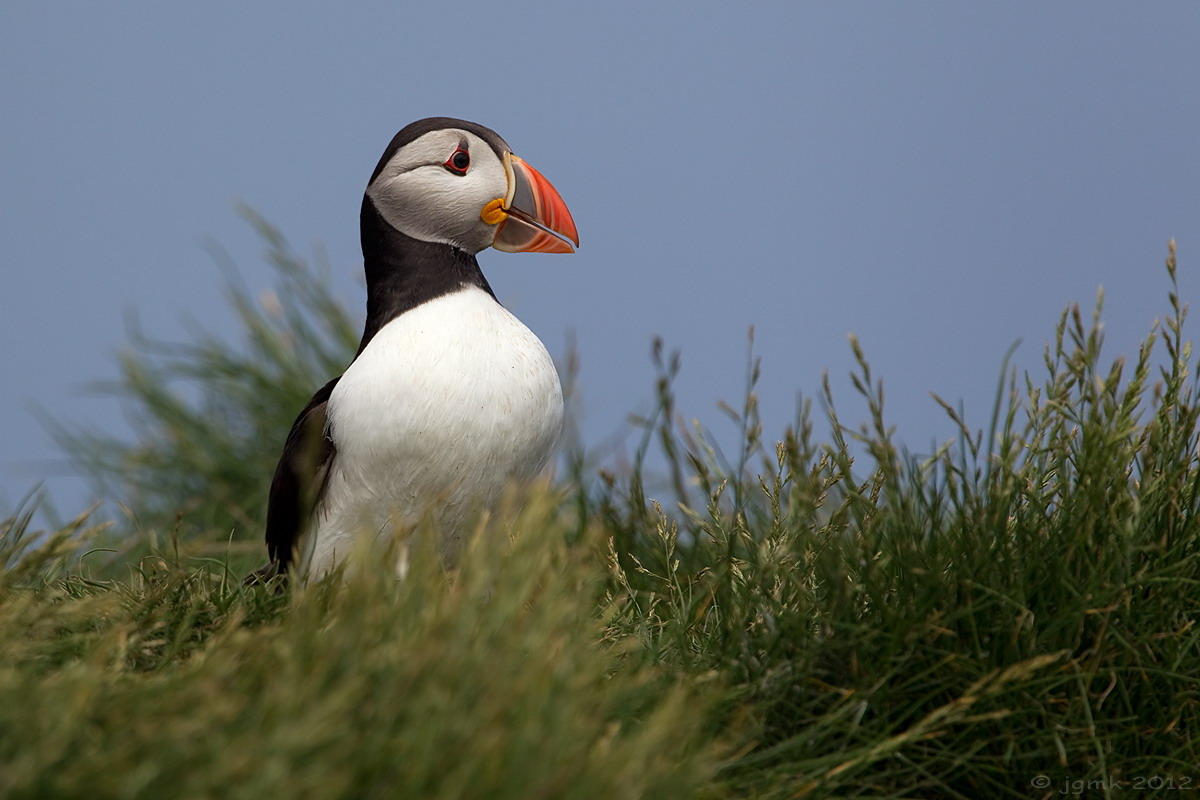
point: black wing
(299, 480)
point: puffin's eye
(458, 162)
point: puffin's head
(452, 181)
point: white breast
(449, 402)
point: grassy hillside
(1011, 616)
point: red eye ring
(458, 162)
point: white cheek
(431, 204)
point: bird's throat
(403, 272)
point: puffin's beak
(536, 218)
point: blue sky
(938, 178)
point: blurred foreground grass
(1011, 612)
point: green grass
(799, 618)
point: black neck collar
(403, 272)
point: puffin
(449, 397)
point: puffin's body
(450, 397)
(447, 403)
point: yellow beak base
(493, 212)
